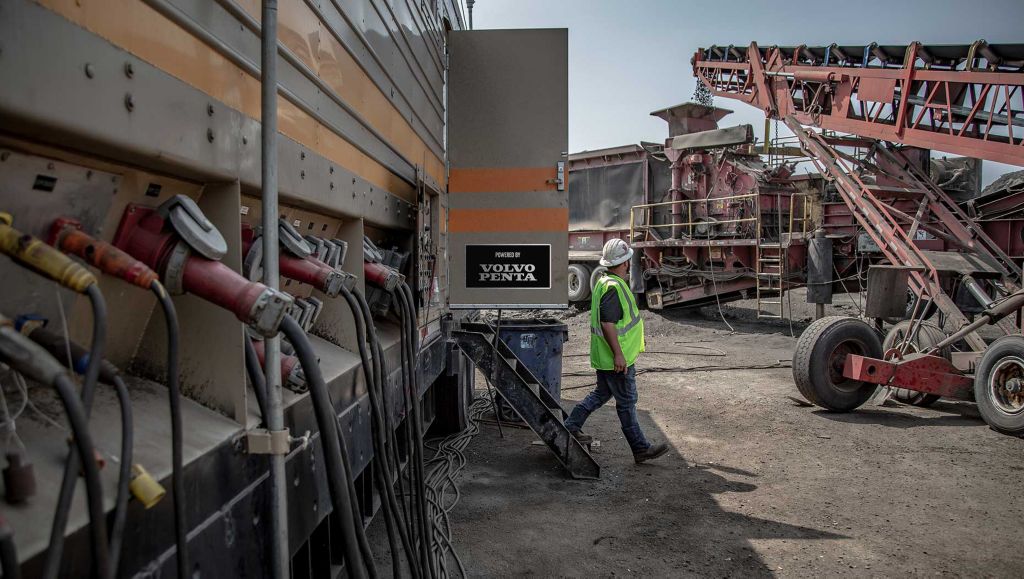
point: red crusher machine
(896, 103)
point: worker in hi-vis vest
(616, 340)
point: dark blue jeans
(621, 386)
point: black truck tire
(999, 385)
(579, 282)
(927, 336)
(596, 275)
(818, 362)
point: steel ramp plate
(522, 391)
(952, 261)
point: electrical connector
(382, 276)
(19, 479)
(67, 236)
(40, 257)
(145, 488)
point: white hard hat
(615, 251)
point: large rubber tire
(579, 282)
(927, 336)
(818, 362)
(596, 275)
(1001, 369)
(929, 310)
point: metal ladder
(525, 394)
(771, 270)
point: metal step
(522, 391)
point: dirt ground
(756, 483)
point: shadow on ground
(520, 514)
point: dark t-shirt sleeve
(611, 309)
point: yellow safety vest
(630, 328)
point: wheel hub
(837, 361)
(1007, 385)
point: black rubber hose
(177, 452)
(380, 449)
(357, 513)
(59, 347)
(408, 313)
(256, 377)
(8, 552)
(414, 336)
(383, 450)
(87, 457)
(71, 466)
(124, 475)
(327, 422)
(414, 488)
(380, 371)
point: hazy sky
(628, 58)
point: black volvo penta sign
(508, 266)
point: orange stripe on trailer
(508, 220)
(503, 180)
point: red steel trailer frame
(965, 100)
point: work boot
(652, 452)
(581, 438)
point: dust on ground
(756, 483)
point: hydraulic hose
(330, 439)
(376, 381)
(71, 466)
(256, 377)
(59, 347)
(8, 552)
(177, 460)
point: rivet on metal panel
(302, 155)
(331, 170)
(296, 480)
(129, 102)
(88, 175)
(314, 505)
(50, 166)
(209, 135)
(90, 71)
(256, 520)
(4, 156)
(129, 70)
(302, 174)
(332, 185)
(245, 140)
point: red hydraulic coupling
(308, 270)
(173, 241)
(382, 276)
(291, 371)
(66, 235)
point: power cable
(177, 459)
(337, 470)
(71, 467)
